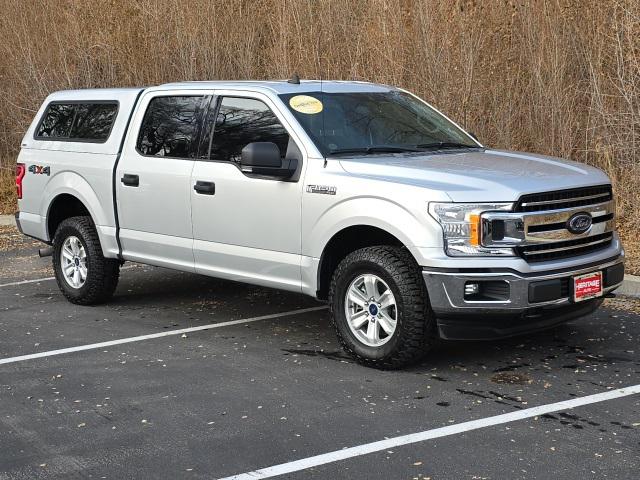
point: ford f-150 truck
(359, 194)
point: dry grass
(632, 250)
(7, 189)
(559, 77)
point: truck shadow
(569, 347)
(144, 286)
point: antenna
(320, 68)
(295, 79)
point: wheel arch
(69, 194)
(63, 206)
(344, 242)
(372, 220)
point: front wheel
(84, 275)
(380, 309)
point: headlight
(461, 226)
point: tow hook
(45, 252)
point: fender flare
(380, 213)
(367, 211)
(73, 184)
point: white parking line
(46, 279)
(386, 444)
(140, 338)
(23, 282)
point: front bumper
(517, 302)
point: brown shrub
(7, 189)
(558, 77)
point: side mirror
(263, 158)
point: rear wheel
(84, 275)
(379, 307)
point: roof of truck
(280, 86)
(94, 93)
(127, 97)
(274, 86)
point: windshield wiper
(440, 145)
(374, 149)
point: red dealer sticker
(587, 286)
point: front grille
(569, 248)
(546, 222)
(547, 227)
(574, 197)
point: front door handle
(130, 180)
(205, 188)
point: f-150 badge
(40, 170)
(322, 189)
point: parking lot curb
(630, 286)
(7, 220)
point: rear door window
(78, 122)
(170, 127)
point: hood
(483, 175)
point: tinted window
(351, 121)
(241, 121)
(85, 122)
(57, 121)
(169, 127)
(93, 121)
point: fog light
(487, 291)
(471, 289)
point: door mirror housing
(263, 158)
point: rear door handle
(205, 188)
(130, 180)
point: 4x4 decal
(40, 170)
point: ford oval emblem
(579, 223)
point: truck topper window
(89, 122)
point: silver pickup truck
(358, 194)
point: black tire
(415, 330)
(102, 273)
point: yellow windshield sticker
(306, 104)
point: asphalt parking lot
(274, 389)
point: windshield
(363, 123)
